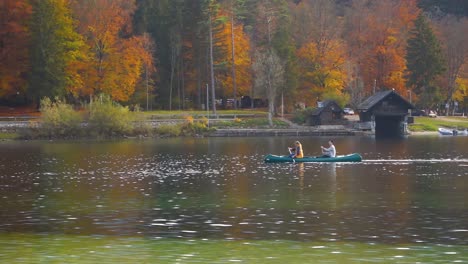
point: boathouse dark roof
(373, 100)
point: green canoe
(345, 158)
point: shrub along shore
(101, 119)
(104, 119)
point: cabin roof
(326, 104)
(378, 97)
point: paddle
(290, 152)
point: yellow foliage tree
(321, 70)
(461, 93)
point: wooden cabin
(386, 112)
(328, 113)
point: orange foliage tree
(242, 61)
(116, 58)
(376, 38)
(14, 41)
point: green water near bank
(101, 249)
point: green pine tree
(424, 60)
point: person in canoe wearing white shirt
(329, 152)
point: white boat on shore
(452, 132)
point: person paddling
(296, 152)
(329, 152)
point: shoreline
(12, 135)
(12, 130)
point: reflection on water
(410, 192)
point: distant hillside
(456, 7)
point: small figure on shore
(296, 151)
(329, 152)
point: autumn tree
(394, 19)
(356, 18)
(455, 51)
(240, 49)
(461, 93)
(321, 55)
(181, 30)
(115, 56)
(376, 34)
(424, 61)
(14, 43)
(323, 72)
(233, 61)
(144, 91)
(55, 46)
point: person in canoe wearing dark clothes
(329, 152)
(296, 152)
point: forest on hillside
(173, 54)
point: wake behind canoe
(355, 157)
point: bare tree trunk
(271, 97)
(271, 107)
(178, 85)
(213, 97)
(199, 96)
(147, 87)
(183, 83)
(269, 75)
(234, 85)
(172, 76)
(271, 93)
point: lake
(214, 200)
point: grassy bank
(9, 135)
(432, 124)
(251, 123)
(164, 114)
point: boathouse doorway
(389, 126)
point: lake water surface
(214, 200)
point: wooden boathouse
(386, 113)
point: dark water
(407, 195)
